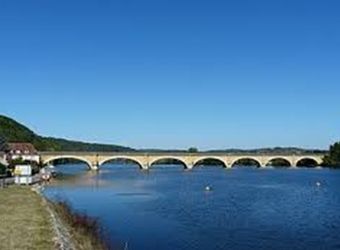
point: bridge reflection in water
(95, 160)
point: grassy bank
(24, 220)
(27, 221)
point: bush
(193, 150)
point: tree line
(332, 159)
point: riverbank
(28, 221)
(25, 222)
(83, 231)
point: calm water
(167, 207)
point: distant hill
(12, 131)
(274, 150)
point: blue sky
(174, 73)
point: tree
(192, 150)
(3, 169)
(3, 143)
(332, 159)
(14, 162)
(36, 166)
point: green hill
(12, 131)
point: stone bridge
(189, 160)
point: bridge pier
(94, 167)
(145, 166)
(189, 166)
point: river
(168, 207)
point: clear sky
(174, 73)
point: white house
(25, 151)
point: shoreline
(62, 237)
(73, 230)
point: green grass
(24, 220)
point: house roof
(22, 147)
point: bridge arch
(72, 157)
(278, 160)
(307, 162)
(132, 159)
(245, 159)
(207, 158)
(169, 158)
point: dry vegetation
(84, 230)
(24, 221)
